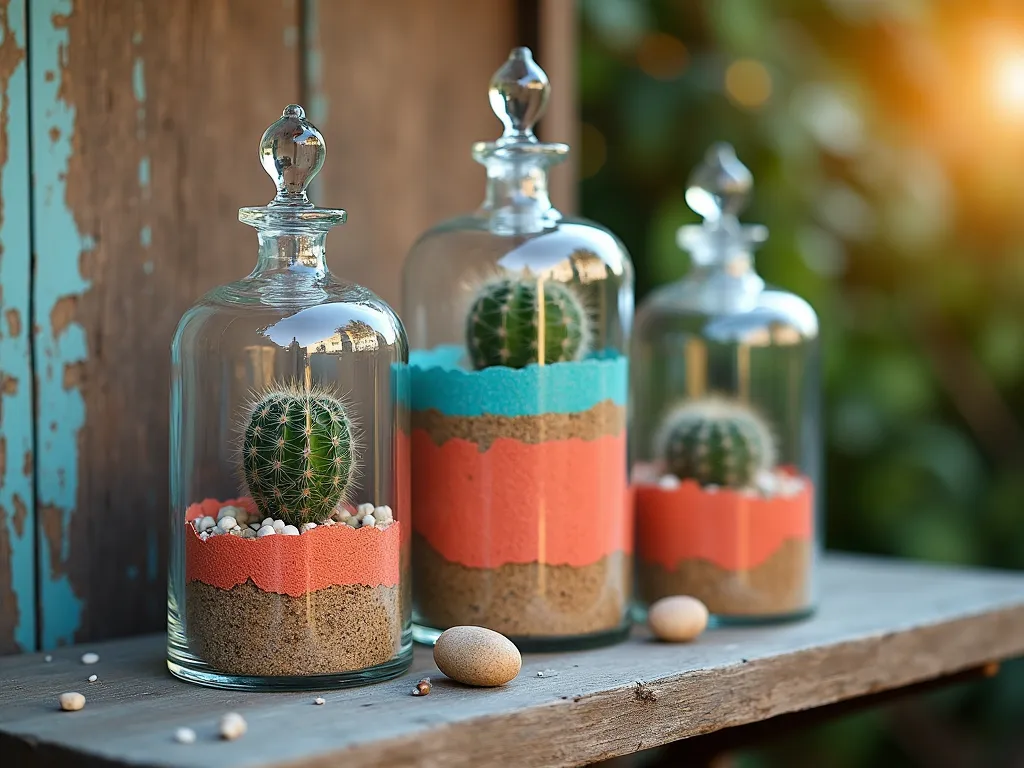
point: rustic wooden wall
(17, 503)
(144, 120)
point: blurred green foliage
(886, 138)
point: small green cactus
(298, 456)
(716, 442)
(503, 323)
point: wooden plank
(148, 116)
(556, 53)
(883, 625)
(399, 89)
(17, 496)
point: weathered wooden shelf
(882, 625)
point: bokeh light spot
(593, 150)
(748, 84)
(661, 56)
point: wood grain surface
(883, 625)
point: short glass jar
(519, 320)
(725, 439)
(296, 384)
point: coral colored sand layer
(560, 502)
(293, 565)
(729, 529)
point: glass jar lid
(518, 94)
(718, 190)
(292, 152)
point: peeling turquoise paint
(15, 257)
(139, 80)
(146, 239)
(58, 245)
(144, 172)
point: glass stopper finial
(720, 186)
(292, 152)
(519, 95)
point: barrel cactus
(507, 324)
(298, 456)
(716, 442)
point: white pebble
(206, 523)
(344, 515)
(668, 482)
(290, 530)
(93, 678)
(327, 522)
(90, 658)
(266, 530)
(364, 509)
(368, 520)
(279, 525)
(47, 658)
(232, 725)
(308, 527)
(216, 531)
(229, 511)
(71, 702)
(255, 526)
(204, 536)
(318, 700)
(382, 514)
(227, 522)
(185, 736)
(352, 522)
(267, 521)
(248, 533)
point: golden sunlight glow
(1009, 81)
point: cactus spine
(298, 456)
(716, 442)
(503, 326)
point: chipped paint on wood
(139, 91)
(17, 546)
(60, 341)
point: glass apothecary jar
(519, 320)
(296, 384)
(725, 443)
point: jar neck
(726, 285)
(285, 252)
(516, 199)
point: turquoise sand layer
(439, 381)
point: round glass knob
(519, 94)
(720, 186)
(292, 151)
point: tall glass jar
(519, 320)
(293, 383)
(725, 432)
